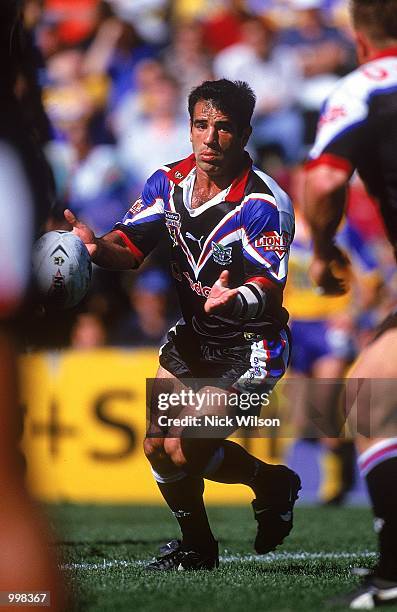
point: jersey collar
(237, 188)
(236, 192)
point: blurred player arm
(325, 199)
(340, 137)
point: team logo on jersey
(273, 241)
(173, 223)
(221, 255)
(136, 207)
(178, 175)
(59, 261)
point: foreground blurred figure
(358, 130)
(26, 564)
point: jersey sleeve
(341, 127)
(142, 227)
(267, 232)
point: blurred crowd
(114, 78)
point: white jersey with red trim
(246, 229)
(358, 130)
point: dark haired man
(229, 227)
(358, 131)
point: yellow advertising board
(85, 418)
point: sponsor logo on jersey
(172, 219)
(178, 175)
(197, 287)
(58, 261)
(273, 241)
(173, 223)
(221, 255)
(136, 207)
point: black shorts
(253, 365)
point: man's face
(216, 143)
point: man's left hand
(220, 294)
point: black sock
(185, 499)
(381, 481)
(238, 466)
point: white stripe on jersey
(348, 104)
(157, 208)
(281, 199)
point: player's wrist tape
(249, 303)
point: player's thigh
(194, 445)
(378, 359)
(371, 392)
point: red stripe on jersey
(328, 159)
(388, 52)
(264, 282)
(275, 292)
(181, 170)
(237, 188)
(137, 253)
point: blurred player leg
(378, 453)
(320, 355)
(26, 562)
(339, 459)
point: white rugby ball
(62, 268)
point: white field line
(269, 558)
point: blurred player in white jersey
(358, 131)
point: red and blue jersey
(246, 229)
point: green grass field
(104, 548)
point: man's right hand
(83, 231)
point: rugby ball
(61, 268)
